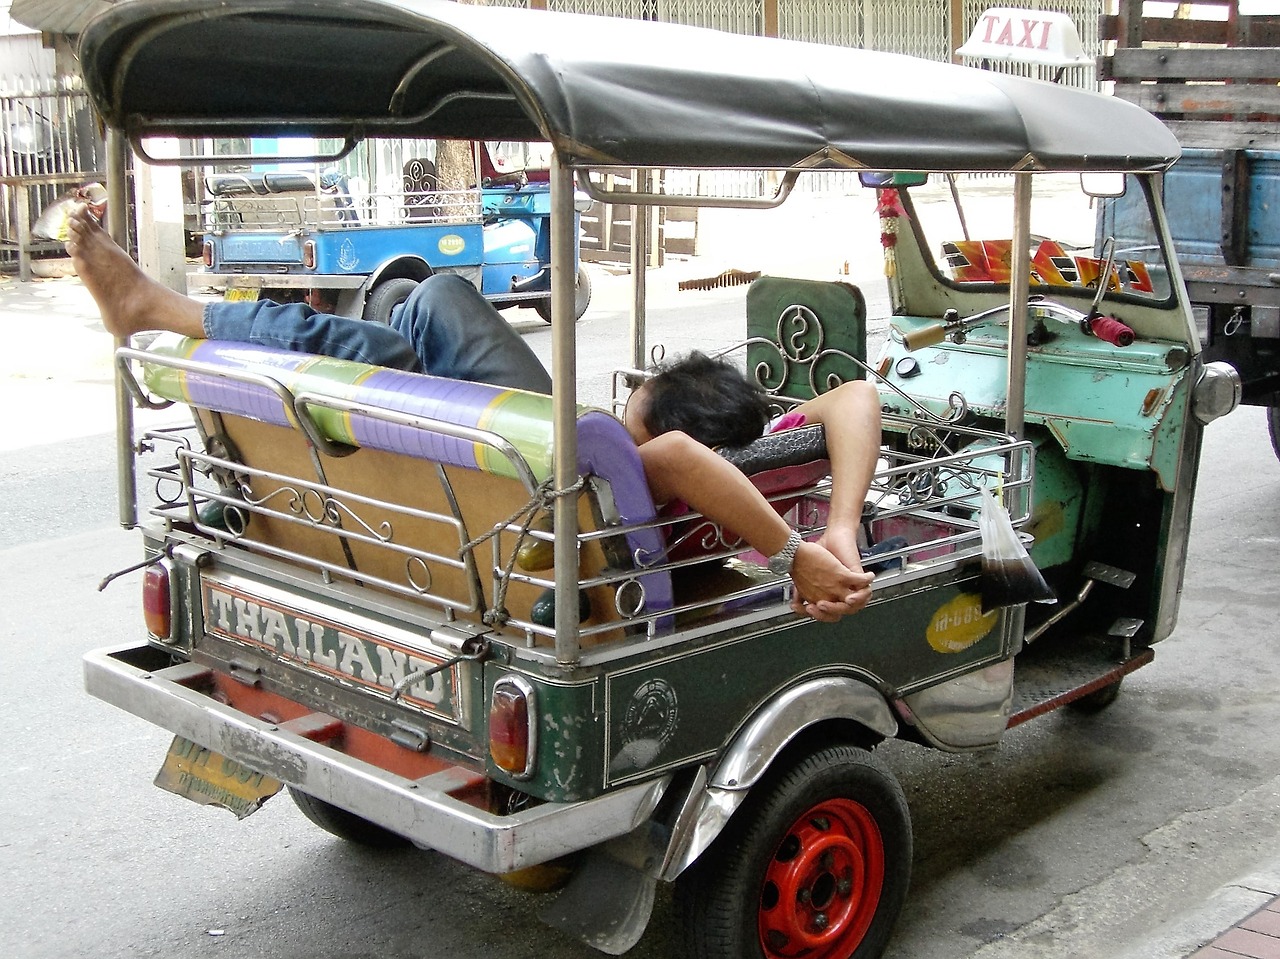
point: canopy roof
(602, 90)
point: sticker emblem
(451, 244)
(648, 725)
(348, 259)
(959, 623)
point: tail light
(513, 733)
(208, 254)
(309, 254)
(157, 599)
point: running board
(1045, 679)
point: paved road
(1075, 839)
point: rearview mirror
(1103, 184)
(877, 179)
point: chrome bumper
(421, 810)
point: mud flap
(608, 901)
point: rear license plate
(211, 779)
(240, 293)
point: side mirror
(1103, 184)
(878, 179)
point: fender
(413, 267)
(716, 795)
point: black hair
(707, 398)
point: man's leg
(131, 302)
(295, 326)
(457, 333)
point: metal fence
(49, 143)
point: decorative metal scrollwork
(630, 599)
(418, 574)
(317, 508)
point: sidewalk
(1255, 937)
(1240, 921)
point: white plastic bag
(52, 222)
(1009, 577)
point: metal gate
(49, 143)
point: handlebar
(1106, 328)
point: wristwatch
(780, 562)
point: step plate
(1046, 678)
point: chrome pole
(639, 263)
(1019, 290)
(118, 226)
(564, 393)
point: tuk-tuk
(455, 617)
(282, 232)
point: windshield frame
(1171, 301)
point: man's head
(704, 397)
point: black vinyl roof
(602, 90)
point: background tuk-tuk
(508, 659)
(358, 232)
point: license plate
(240, 293)
(211, 779)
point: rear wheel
(581, 298)
(815, 866)
(1273, 426)
(1098, 700)
(386, 296)
(346, 825)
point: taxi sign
(1026, 36)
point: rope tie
(543, 499)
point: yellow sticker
(451, 244)
(960, 623)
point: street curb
(1230, 905)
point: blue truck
(1214, 84)
(292, 233)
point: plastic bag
(52, 222)
(1009, 577)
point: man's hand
(827, 589)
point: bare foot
(129, 300)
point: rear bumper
(261, 278)
(135, 679)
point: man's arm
(851, 416)
(678, 467)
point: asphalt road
(1079, 837)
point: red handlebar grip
(1112, 330)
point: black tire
(581, 298)
(385, 297)
(346, 825)
(1273, 427)
(1098, 700)
(815, 864)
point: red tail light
(309, 254)
(513, 732)
(208, 254)
(157, 600)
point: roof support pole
(564, 392)
(639, 262)
(118, 226)
(1019, 289)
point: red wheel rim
(823, 883)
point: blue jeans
(445, 328)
